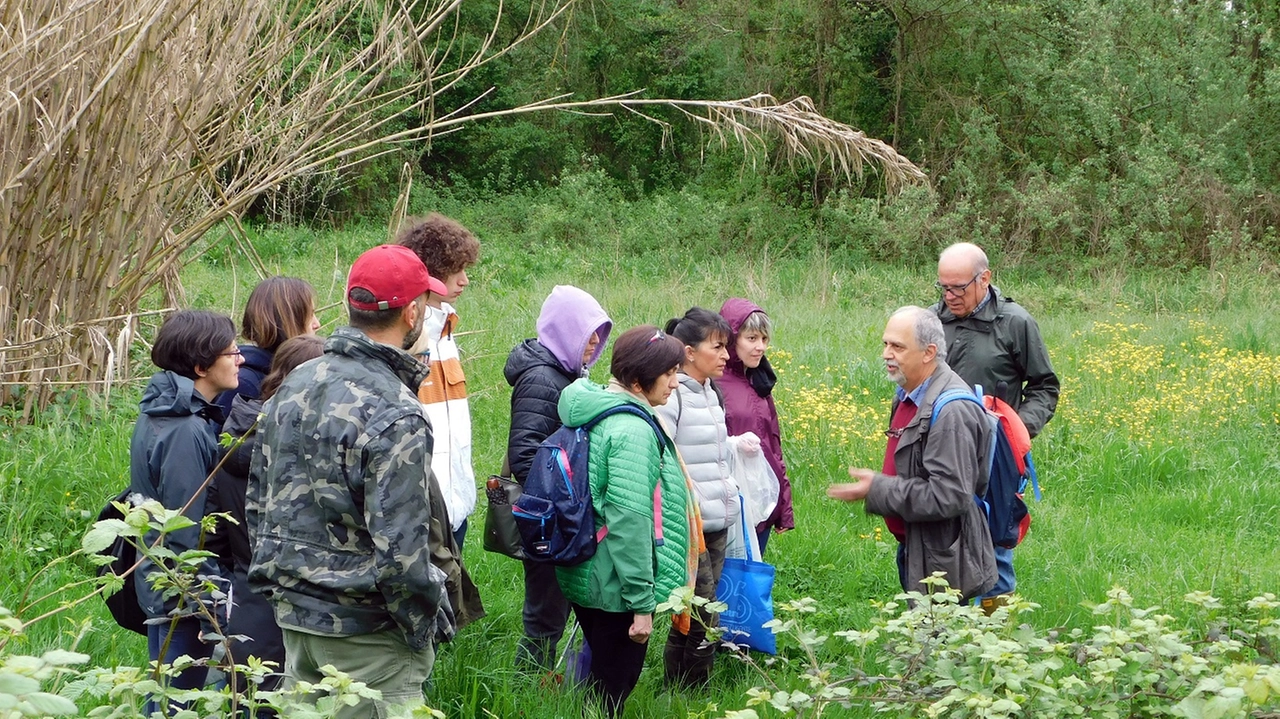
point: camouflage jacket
(337, 505)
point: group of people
(353, 482)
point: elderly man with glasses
(992, 341)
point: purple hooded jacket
(539, 369)
(748, 407)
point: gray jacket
(1002, 343)
(695, 418)
(940, 468)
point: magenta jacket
(748, 407)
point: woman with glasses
(279, 308)
(173, 450)
(641, 502)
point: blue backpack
(554, 514)
(1007, 472)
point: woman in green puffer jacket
(615, 592)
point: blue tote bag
(746, 586)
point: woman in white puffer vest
(695, 416)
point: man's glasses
(956, 290)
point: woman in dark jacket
(251, 615)
(173, 450)
(279, 308)
(572, 332)
(747, 384)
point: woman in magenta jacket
(747, 385)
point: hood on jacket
(584, 400)
(568, 318)
(527, 355)
(256, 359)
(438, 323)
(244, 412)
(735, 311)
(169, 394)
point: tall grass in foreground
(1160, 471)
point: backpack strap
(719, 392)
(949, 396)
(952, 395)
(631, 409)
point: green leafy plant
(926, 654)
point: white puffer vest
(696, 421)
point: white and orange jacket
(444, 396)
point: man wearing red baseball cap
(338, 500)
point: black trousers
(616, 661)
(545, 614)
(689, 658)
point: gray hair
(928, 328)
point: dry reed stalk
(130, 128)
(804, 133)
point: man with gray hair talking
(925, 490)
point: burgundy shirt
(901, 418)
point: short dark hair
(443, 244)
(278, 308)
(697, 325)
(291, 353)
(370, 319)
(192, 338)
(643, 354)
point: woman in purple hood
(572, 332)
(747, 385)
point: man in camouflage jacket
(338, 506)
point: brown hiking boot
(991, 604)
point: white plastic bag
(756, 481)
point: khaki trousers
(383, 661)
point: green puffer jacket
(628, 572)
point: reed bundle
(130, 128)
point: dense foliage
(1116, 129)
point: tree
(130, 128)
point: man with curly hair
(447, 249)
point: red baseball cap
(394, 275)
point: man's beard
(412, 338)
(896, 376)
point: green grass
(1182, 496)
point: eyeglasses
(956, 290)
(236, 353)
